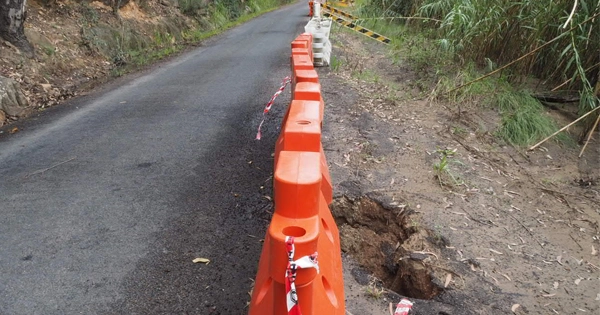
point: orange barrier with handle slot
(302, 193)
(301, 131)
(302, 212)
(305, 86)
(304, 40)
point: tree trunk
(12, 24)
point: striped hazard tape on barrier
(286, 81)
(290, 275)
(358, 28)
(339, 12)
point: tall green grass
(456, 41)
(524, 120)
(504, 30)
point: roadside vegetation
(68, 47)
(128, 47)
(513, 56)
(453, 111)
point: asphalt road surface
(105, 201)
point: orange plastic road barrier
(301, 128)
(300, 51)
(296, 43)
(310, 109)
(300, 211)
(307, 39)
(302, 62)
(326, 186)
(303, 191)
(307, 91)
(301, 75)
(301, 131)
(310, 91)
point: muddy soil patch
(382, 238)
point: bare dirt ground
(501, 230)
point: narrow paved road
(105, 201)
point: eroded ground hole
(388, 243)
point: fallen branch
(470, 217)
(575, 241)
(49, 168)
(557, 192)
(526, 229)
(590, 135)
(556, 97)
(566, 82)
(565, 127)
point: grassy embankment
(493, 53)
(128, 47)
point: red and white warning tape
(290, 275)
(403, 307)
(285, 82)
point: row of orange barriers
(302, 194)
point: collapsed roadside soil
(499, 229)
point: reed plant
(503, 30)
(553, 42)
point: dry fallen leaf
(201, 260)
(515, 307)
(448, 279)
(13, 130)
(46, 87)
(496, 252)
